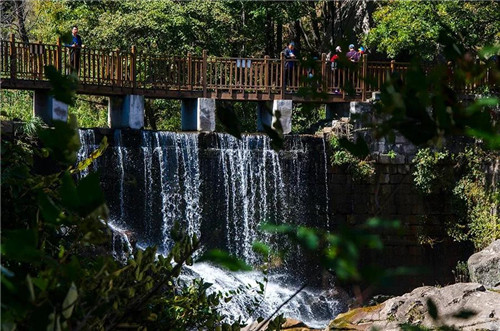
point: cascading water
(220, 189)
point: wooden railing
(205, 74)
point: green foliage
(16, 104)
(162, 114)
(305, 116)
(431, 172)
(464, 178)
(425, 109)
(63, 87)
(461, 272)
(90, 111)
(225, 260)
(360, 169)
(414, 27)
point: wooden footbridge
(114, 72)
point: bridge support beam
(126, 112)
(281, 110)
(48, 108)
(198, 114)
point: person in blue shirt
(75, 50)
(290, 54)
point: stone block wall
(421, 241)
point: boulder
(412, 308)
(484, 266)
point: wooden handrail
(195, 74)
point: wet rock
(484, 266)
(290, 324)
(413, 308)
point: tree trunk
(269, 33)
(20, 20)
(279, 36)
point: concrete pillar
(198, 114)
(281, 109)
(48, 108)
(126, 112)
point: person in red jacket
(333, 58)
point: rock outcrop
(413, 308)
(484, 266)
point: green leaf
(225, 260)
(30, 288)
(40, 282)
(273, 228)
(62, 141)
(465, 314)
(308, 238)
(54, 322)
(70, 301)
(228, 119)
(432, 309)
(63, 86)
(21, 245)
(358, 149)
(49, 211)
(261, 248)
(84, 164)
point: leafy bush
(463, 177)
(361, 169)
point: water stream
(220, 189)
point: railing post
(323, 72)
(282, 75)
(40, 62)
(133, 66)
(13, 57)
(392, 66)
(190, 71)
(363, 76)
(266, 73)
(204, 73)
(59, 55)
(119, 67)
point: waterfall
(221, 189)
(327, 195)
(120, 152)
(87, 146)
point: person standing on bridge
(290, 54)
(352, 55)
(334, 58)
(75, 50)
